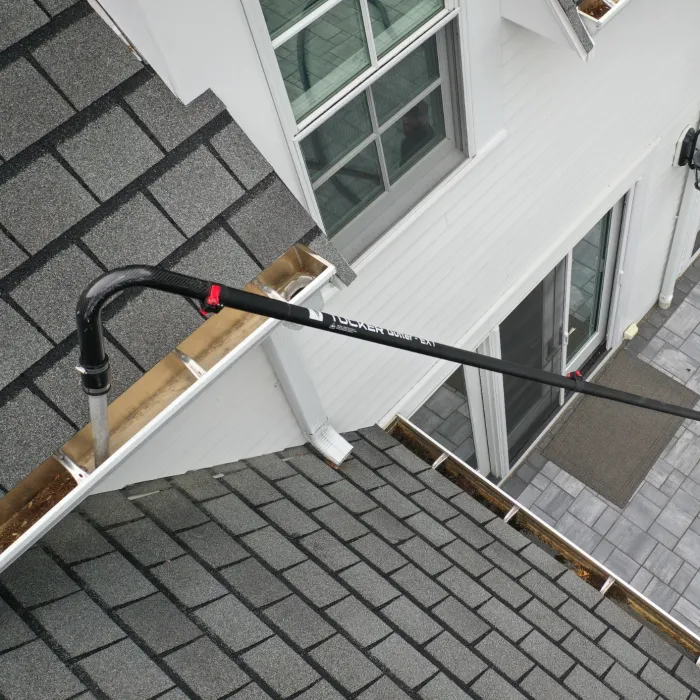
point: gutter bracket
(286, 359)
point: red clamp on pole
(212, 304)
(577, 377)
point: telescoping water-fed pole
(94, 363)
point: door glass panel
(531, 336)
(587, 277)
(445, 417)
(323, 57)
(394, 20)
(280, 15)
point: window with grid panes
(363, 151)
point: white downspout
(286, 359)
(686, 214)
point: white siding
(576, 132)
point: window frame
(460, 113)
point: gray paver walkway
(654, 542)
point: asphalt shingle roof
(218, 586)
(102, 166)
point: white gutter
(88, 483)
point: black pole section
(94, 359)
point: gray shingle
(549, 622)
(434, 505)
(292, 519)
(189, 582)
(31, 432)
(369, 454)
(271, 466)
(456, 658)
(384, 557)
(588, 687)
(10, 255)
(271, 222)
(627, 685)
(49, 294)
(587, 653)
(618, 618)
(387, 525)
(689, 673)
(136, 233)
(543, 561)
(430, 528)
(396, 502)
(29, 106)
(315, 584)
(56, 6)
(206, 669)
(145, 541)
(364, 477)
(233, 623)
(274, 548)
(200, 485)
(658, 649)
(470, 560)
(461, 620)
(86, 60)
(503, 586)
(582, 591)
(442, 688)
(77, 624)
(471, 533)
(27, 347)
(73, 540)
(471, 507)
(317, 242)
(301, 490)
(14, 631)
(252, 487)
(544, 687)
(61, 382)
(581, 618)
(504, 656)
(18, 18)
(623, 651)
(491, 686)
(152, 324)
(547, 655)
(543, 588)
(419, 586)
(316, 470)
(196, 191)
(413, 621)
(350, 497)
(349, 667)
(439, 483)
(383, 689)
(464, 587)
(504, 619)
(159, 623)
(218, 257)
(511, 563)
(170, 121)
(299, 622)
(34, 578)
(113, 579)
(340, 522)
(427, 557)
(172, 509)
(383, 441)
(329, 550)
(110, 508)
(41, 202)
(281, 667)
(375, 589)
(255, 583)
(507, 534)
(400, 478)
(403, 661)
(110, 152)
(414, 464)
(250, 692)
(241, 155)
(106, 669)
(19, 679)
(665, 684)
(358, 621)
(233, 514)
(212, 544)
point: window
(374, 91)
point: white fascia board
(90, 482)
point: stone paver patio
(654, 542)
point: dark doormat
(611, 446)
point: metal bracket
(194, 367)
(511, 514)
(442, 458)
(607, 585)
(74, 469)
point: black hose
(96, 364)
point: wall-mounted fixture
(689, 153)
